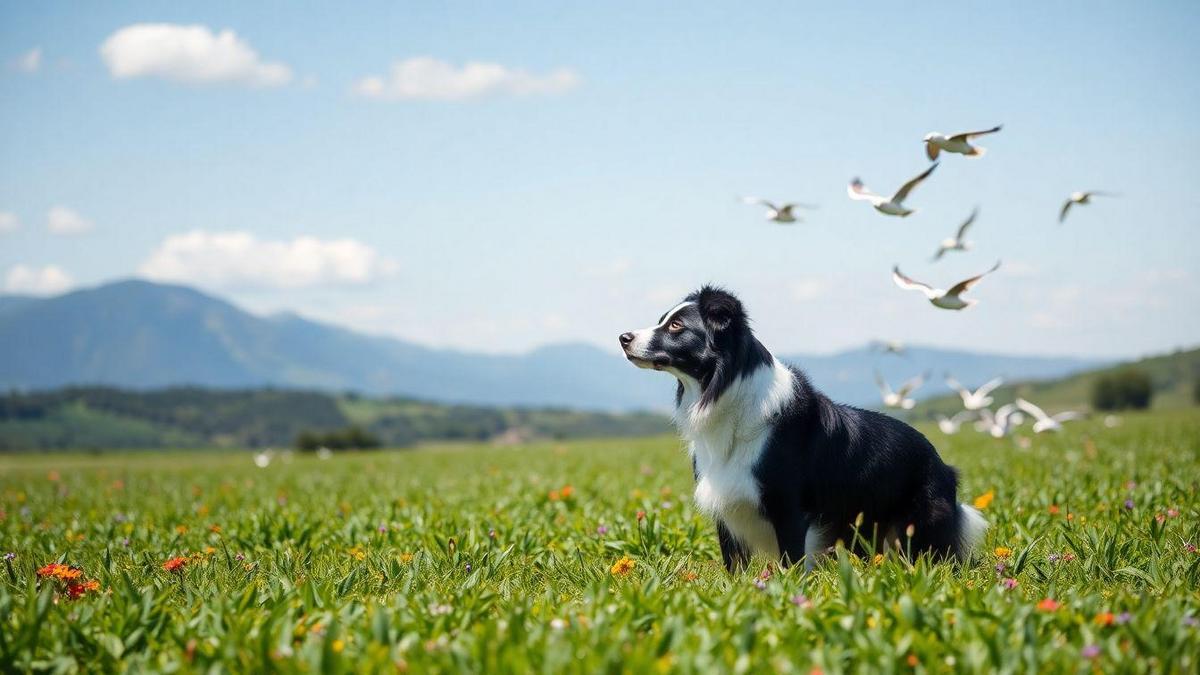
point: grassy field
(586, 557)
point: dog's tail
(971, 528)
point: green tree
(1128, 388)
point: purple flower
(10, 556)
(1090, 651)
(382, 527)
(1053, 557)
(120, 517)
(800, 601)
(1129, 504)
(760, 584)
(468, 567)
(1000, 567)
(1123, 618)
(1009, 583)
(239, 557)
(1191, 621)
(602, 529)
(125, 542)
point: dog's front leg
(791, 530)
(735, 555)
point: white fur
(974, 526)
(815, 546)
(726, 439)
(641, 338)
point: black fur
(825, 465)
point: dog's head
(706, 339)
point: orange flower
(553, 495)
(1053, 509)
(1048, 605)
(641, 515)
(59, 571)
(175, 564)
(214, 528)
(75, 591)
(623, 566)
(985, 500)
(913, 661)
(1104, 619)
(688, 575)
(567, 491)
(1003, 551)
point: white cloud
(48, 280)
(189, 54)
(808, 289)
(241, 259)
(30, 61)
(9, 221)
(427, 78)
(62, 220)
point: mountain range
(144, 335)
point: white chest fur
(726, 440)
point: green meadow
(586, 557)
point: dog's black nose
(625, 339)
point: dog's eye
(675, 326)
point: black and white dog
(784, 471)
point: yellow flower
(623, 566)
(985, 500)
(357, 553)
(406, 558)
(181, 529)
(1003, 551)
(338, 646)
(878, 559)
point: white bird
(889, 347)
(936, 141)
(1080, 198)
(944, 299)
(899, 398)
(996, 424)
(957, 243)
(893, 206)
(974, 400)
(1042, 421)
(950, 425)
(780, 214)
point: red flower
(79, 590)
(1048, 605)
(175, 564)
(59, 571)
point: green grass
(311, 570)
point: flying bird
(893, 206)
(957, 243)
(937, 297)
(779, 214)
(936, 141)
(974, 400)
(899, 398)
(950, 425)
(997, 424)
(889, 347)
(1042, 421)
(1080, 198)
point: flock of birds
(935, 144)
(1003, 420)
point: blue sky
(588, 175)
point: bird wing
(884, 389)
(910, 284)
(760, 202)
(907, 187)
(1067, 416)
(962, 229)
(800, 205)
(1004, 411)
(989, 386)
(966, 284)
(968, 135)
(1032, 409)
(911, 386)
(1062, 215)
(858, 191)
(954, 384)
(962, 416)
(940, 252)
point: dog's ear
(720, 309)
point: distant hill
(138, 334)
(105, 418)
(1174, 377)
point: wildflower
(601, 530)
(567, 491)
(558, 624)
(1189, 547)
(1003, 551)
(75, 591)
(125, 542)
(800, 600)
(913, 661)
(1009, 583)
(239, 557)
(357, 552)
(382, 528)
(175, 564)
(1130, 485)
(406, 558)
(1160, 518)
(1068, 556)
(1123, 618)
(688, 575)
(467, 567)
(878, 559)
(1053, 509)
(338, 646)
(1191, 621)
(181, 529)
(1172, 513)
(1000, 567)
(1129, 504)
(641, 515)
(1090, 652)
(760, 584)
(985, 500)
(553, 495)
(60, 572)
(1053, 558)
(1104, 619)
(491, 534)
(10, 556)
(1048, 605)
(622, 567)
(437, 609)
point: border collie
(784, 471)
